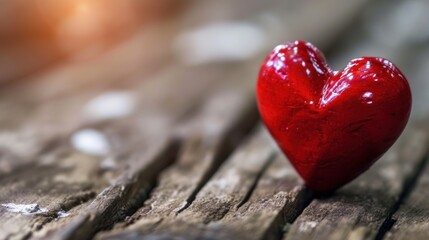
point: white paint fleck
(232, 41)
(230, 179)
(153, 205)
(298, 188)
(283, 172)
(305, 226)
(108, 163)
(110, 105)
(388, 173)
(90, 141)
(181, 206)
(25, 209)
(62, 214)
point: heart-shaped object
(332, 125)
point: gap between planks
(409, 185)
(411, 219)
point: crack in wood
(408, 187)
(125, 195)
(241, 180)
(114, 210)
(223, 152)
(232, 137)
(151, 215)
(279, 226)
(255, 183)
(67, 205)
(411, 219)
(52, 215)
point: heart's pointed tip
(323, 191)
(324, 194)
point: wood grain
(183, 164)
(245, 199)
(213, 134)
(160, 105)
(411, 219)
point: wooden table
(159, 136)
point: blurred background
(37, 36)
(88, 86)
(67, 64)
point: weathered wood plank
(161, 104)
(278, 198)
(116, 201)
(230, 186)
(165, 210)
(358, 210)
(54, 188)
(152, 101)
(162, 107)
(412, 217)
(232, 121)
(211, 137)
(251, 197)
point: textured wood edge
(410, 217)
(128, 192)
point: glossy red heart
(332, 125)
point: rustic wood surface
(150, 139)
(412, 217)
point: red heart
(332, 125)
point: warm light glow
(82, 7)
(87, 24)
